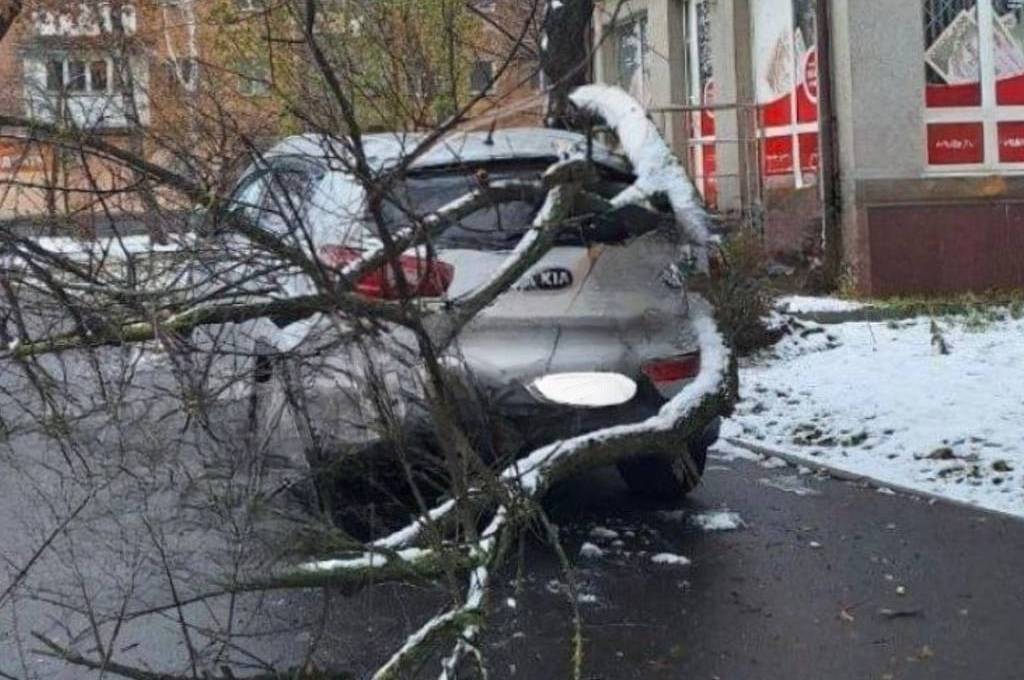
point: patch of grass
(980, 318)
(976, 311)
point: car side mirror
(621, 224)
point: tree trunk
(565, 56)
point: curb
(866, 480)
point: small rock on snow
(942, 453)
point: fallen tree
(510, 498)
(462, 537)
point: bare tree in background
(170, 456)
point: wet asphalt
(827, 579)
(824, 579)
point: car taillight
(672, 370)
(426, 277)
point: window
(77, 76)
(498, 227)
(786, 83)
(632, 58)
(55, 75)
(255, 79)
(493, 228)
(119, 68)
(974, 84)
(701, 90)
(481, 76)
(76, 81)
(98, 80)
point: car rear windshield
(497, 227)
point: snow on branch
(564, 178)
(711, 390)
(711, 393)
(657, 169)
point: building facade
(213, 79)
(927, 116)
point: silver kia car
(596, 334)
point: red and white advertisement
(960, 51)
(702, 84)
(787, 86)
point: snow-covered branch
(531, 248)
(657, 169)
(526, 481)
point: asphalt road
(840, 582)
(825, 580)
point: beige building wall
(669, 85)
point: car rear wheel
(664, 476)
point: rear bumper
(540, 423)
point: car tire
(662, 476)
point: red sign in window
(963, 94)
(1011, 142)
(955, 143)
(1010, 90)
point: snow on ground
(590, 551)
(800, 304)
(793, 484)
(714, 520)
(722, 520)
(877, 399)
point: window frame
(615, 32)
(488, 69)
(989, 113)
(88, 87)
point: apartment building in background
(171, 68)
(108, 69)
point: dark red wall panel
(932, 248)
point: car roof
(459, 148)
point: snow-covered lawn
(878, 399)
